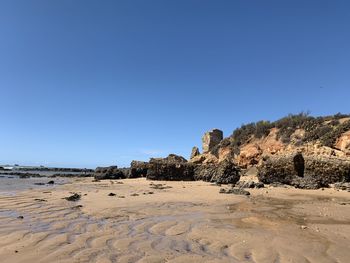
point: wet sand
(183, 222)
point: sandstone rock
(211, 139)
(195, 152)
(198, 159)
(210, 159)
(343, 143)
(249, 155)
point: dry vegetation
(324, 129)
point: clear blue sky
(87, 83)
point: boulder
(223, 173)
(172, 168)
(211, 139)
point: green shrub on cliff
(325, 129)
(330, 138)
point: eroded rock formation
(195, 152)
(309, 171)
(211, 139)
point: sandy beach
(173, 222)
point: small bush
(330, 138)
(315, 129)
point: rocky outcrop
(172, 158)
(309, 171)
(223, 173)
(112, 172)
(211, 139)
(172, 168)
(138, 169)
(326, 136)
(176, 168)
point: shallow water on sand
(11, 184)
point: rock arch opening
(299, 164)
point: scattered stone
(111, 194)
(222, 191)
(20, 217)
(303, 227)
(51, 182)
(134, 194)
(342, 186)
(249, 184)
(236, 191)
(77, 207)
(159, 186)
(74, 197)
(40, 200)
(121, 196)
(39, 183)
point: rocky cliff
(300, 150)
(326, 136)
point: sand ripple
(249, 231)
